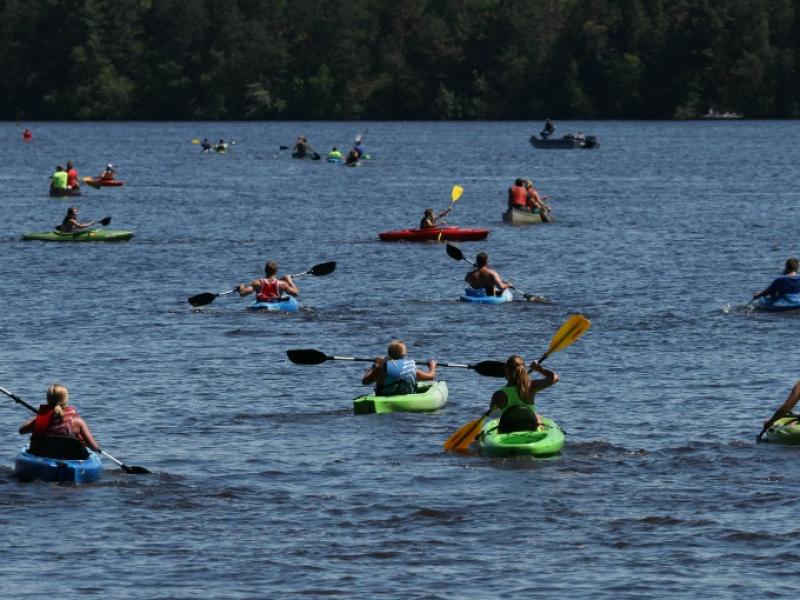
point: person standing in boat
(72, 177)
(548, 129)
(396, 374)
(788, 283)
(517, 398)
(269, 287)
(70, 223)
(485, 278)
(57, 418)
(429, 220)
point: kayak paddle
(128, 469)
(325, 268)
(455, 252)
(571, 330)
(455, 194)
(90, 181)
(487, 368)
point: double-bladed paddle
(325, 268)
(571, 330)
(455, 252)
(133, 470)
(487, 368)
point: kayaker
(269, 287)
(58, 180)
(109, 173)
(72, 177)
(301, 148)
(27, 135)
(396, 374)
(788, 283)
(206, 146)
(429, 220)
(548, 129)
(335, 154)
(352, 157)
(517, 398)
(70, 222)
(221, 146)
(786, 408)
(485, 278)
(57, 418)
(358, 147)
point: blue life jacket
(399, 378)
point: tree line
(397, 59)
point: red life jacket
(518, 196)
(72, 178)
(269, 290)
(46, 424)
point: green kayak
(429, 397)
(785, 431)
(546, 442)
(84, 235)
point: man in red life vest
(270, 287)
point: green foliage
(383, 59)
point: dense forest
(397, 59)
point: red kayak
(109, 182)
(461, 234)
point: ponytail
(517, 374)
(57, 398)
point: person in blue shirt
(397, 374)
(788, 283)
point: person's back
(108, 173)
(485, 278)
(57, 419)
(518, 195)
(396, 374)
(72, 176)
(785, 285)
(352, 157)
(59, 179)
(335, 153)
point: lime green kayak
(84, 235)
(548, 441)
(429, 397)
(785, 431)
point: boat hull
(288, 304)
(480, 297)
(29, 467)
(547, 442)
(430, 397)
(516, 216)
(85, 235)
(433, 234)
(567, 142)
(784, 431)
(781, 303)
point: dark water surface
(266, 485)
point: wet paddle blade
(571, 330)
(135, 470)
(307, 356)
(202, 299)
(195, 141)
(105, 221)
(323, 268)
(489, 368)
(461, 439)
(456, 192)
(91, 182)
(454, 252)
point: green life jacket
(59, 179)
(514, 400)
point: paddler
(301, 147)
(205, 146)
(786, 408)
(396, 374)
(70, 222)
(269, 287)
(788, 283)
(352, 157)
(72, 177)
(485, 278)
(335, 154)
(57, 418)
(429, 220)
(548, 129)
(358, 147)
(58, 180)
(27, 135)
(221, 146)
(535, 201)
(517, 398)
(109, 173)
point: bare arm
(498, 281)
(27, 426)
(287, 285)
(786, 407)
(244, 290)
(85, 434)
(550, 377)
(428, 375)
(373, 373)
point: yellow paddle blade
(195, 141)
(456, 193)
(461, 439)
(571, 330)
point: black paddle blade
(323, 268)
(105, 221)
(489, 368)
(454, 252)
(202, 299)
(307, 357)
(135, 470)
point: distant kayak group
(303, 150)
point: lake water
(265, 484)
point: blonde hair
(57, 398)
(397, 349)
(517, 374)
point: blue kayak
(333, 159)
(777, 303)
(285, 304)
(86, 469)
(480, 297)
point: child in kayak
(429, 220)
(396, 374)
(516, 398)
(270, 287)
(57, 418)
(70, 222)
(485, 278)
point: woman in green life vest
(516, 398)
